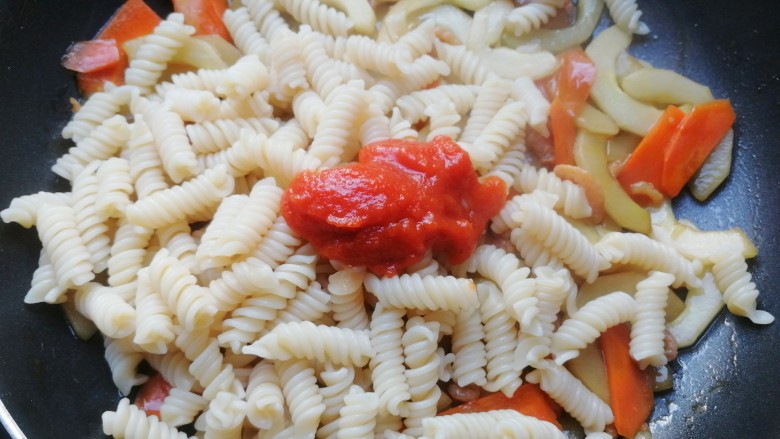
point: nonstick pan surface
(56, 386)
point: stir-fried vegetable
(528, 399)
(557, 40)
(630, 388)
(574, 81)
(661, 86)
(714, 170)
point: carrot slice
(697, 135)
(204, 15)
(630, 388)
(574, 81)
(152, 395)
(91, 56)
(528, 399)
(646, 162)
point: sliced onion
(714, 170)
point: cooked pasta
(265, 401)
(303, 397)
(181, 407)
(428, 292)
(337, 383)
(736, 285)
(387, 366)
(500, 341)
(123, 360)
(647, 326)
(358, 416)
(469, 348)
(131, 422)
(422, 373)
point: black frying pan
(56, 386)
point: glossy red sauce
(401, 199)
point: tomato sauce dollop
(401, 199)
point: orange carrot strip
(528, 399)
(91, 56)
(697, 135)
(646, 162)
(574, 81)
(630, 388)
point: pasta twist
(528, 427)
(346, 298)
(464, 64)
(146, 171)
(267, 19)
(358, 416)
(287, 67)
(225, 415)
(178, 159)
(469, 349)
(383, 58)
(309, 108)
(320, 73)
(193, 105)
(648, 325)
(387, 366)
(217, 135)
(413, 105)
(530, 17)
(61, 240)
(337, 383)
(24, 210)
(246, 278)
(524, 89)
(178, 239)
(247, 76)
(280, 160)
(497, 135)
(114, 188)
(208, 365)
(245, 34)
(418, 41)
(304, 400)
(154, 329)
(174, 368)
(585, 325)
(44, 286)
(500, 341)
(626, 14)
(533, 251)
(278, 244)
(90, 223)
(103, 142)
(466, 425)
(265, 401)
(314, 342)
(321, 17)
(98, 108)
(490, 98)
(239, 224)
(309, 304)
(130, 422)
(181, 202)
(400, 128)
(508, 166)
(442, 121)
(644, 252)
(192, 305)
(739, 291)
(123, 359)
(331, 139)
(582, 404)
(420, 343)
(376, 127)
(429, 292)
(421, 72)
(203, 79)
(571, 197)
(240, 158)
(561, 238)
(157, 50)
(181, 407)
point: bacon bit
(75, 106)
(463, 394)
(593, 191)
(646, 194)
(446, 36)
(541, 147)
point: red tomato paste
(401, 199)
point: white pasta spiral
(497, 135)
(585, 325)
(582, 404)
(180, 202)
(643, 251)
(626, 14)
(571, 197)
(157, 50)
(529, 17)
(346, 298)
(114, 188)
(181, 406)
(314, 342)
(528, 427)
(98, 108)
(24, 210)
(420, 343)
(130, 422)
(174, 368)
(208, 365)
(382, 58)
(154, 326)
(739, 291)
(490, 98)
(123, 359)
(90, 223)
(469, 349)
(442, 121)
(44, 286)
(428, 292)
(192, 304)
(387, 366)
(337, 382)
(465, 64)
(413, 105)
(358, 416)
(500, 341)
(321, 17)
(309, 304)
(225, 415)
(217, 135)
(111, 314)
(245, 34)
(146, 169)
(61, 241)
(331, 139)
(299, 386)
(265, 401)
(647, 326)
(466, 425)
(246, 278)
(102, 143)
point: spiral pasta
(648, 325)
(102, 143)
(585, 325)
(626, 14)
(303, 397)
(346, 298)
(61, 240)
(490, 98)
(265, 401)
(500, 341)
(114, 188)
(309, 304)
(739, 291)
(469, 349)
(412, 106)
(98, 108)
(181, 407)
(225, 415)
(571, 197)
(89, 222)
(358, 416)
(157, 50)
(314, 342)
(467, 425)
(331, 140)
(528, 427)
(428, 292)
(174, 368)
(44, 286)
(387, 366)
(442, 121)
(529, 17)
(217, 135)
(245, 34)
(130, 422)
(123, 360)
(420, 343)
(464, 64)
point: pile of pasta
(171, 242)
